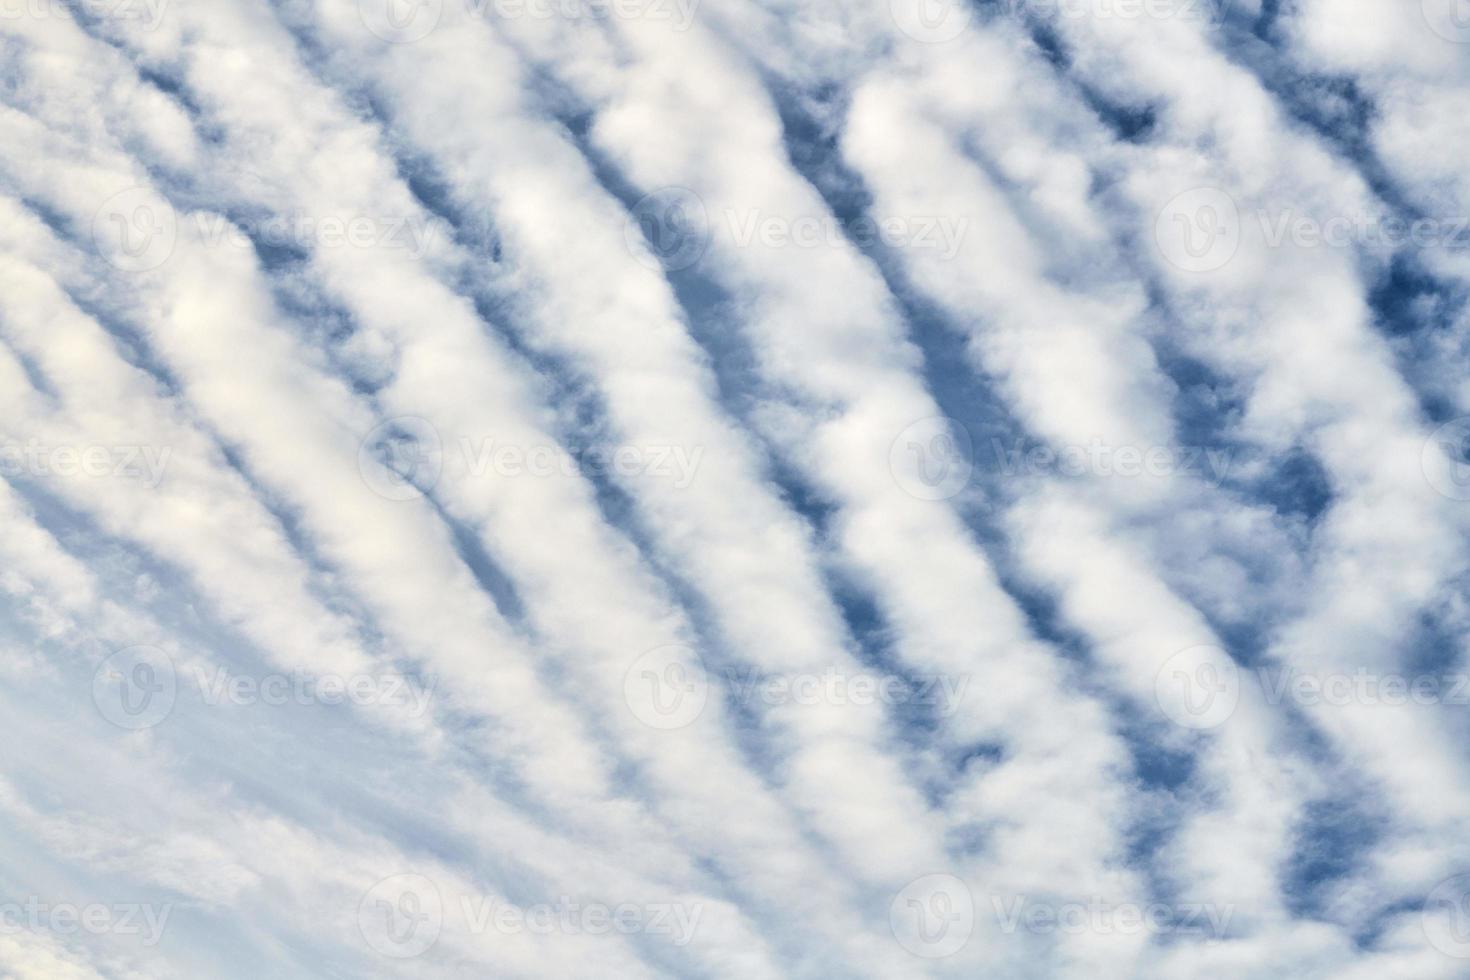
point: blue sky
(734, 488)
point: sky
(734, 489)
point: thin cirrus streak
(748, 488)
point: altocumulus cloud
(751, 489)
